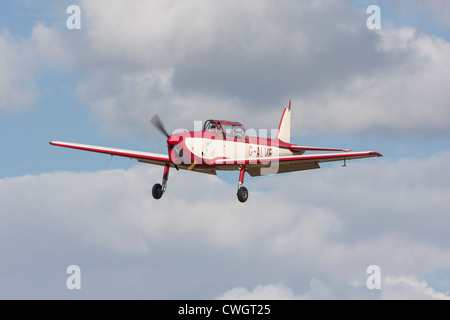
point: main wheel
(242, 194)
(157, 191)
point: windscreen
(233, 131)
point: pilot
(213, 129)
(239, 132)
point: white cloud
(125, 104)
(149, 33)
(316, 232)
(240, 61)
(22, 60)
(393, 288)
(317, 290)
(231, 59)
(54, 48)
(268, 292)
(17, 87)
(410, 96)
(131, 98)
(409, 288)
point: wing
(153, 158)
(145, 157)
(273, 165)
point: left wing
(148, 157)
(272, 165)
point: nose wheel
(159, 189)
(242, 192)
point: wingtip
(376, 154)
(56, 143)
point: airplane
(224, 145)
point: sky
(301, 235)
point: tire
(242, 194)
(157, 191)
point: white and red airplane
(224, 145)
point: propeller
(156, 121)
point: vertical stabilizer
(284, 129)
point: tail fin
(284, 129)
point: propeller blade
(156, 121)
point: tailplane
(284, 129)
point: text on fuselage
(260, 151)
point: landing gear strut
(242, 192)
(158, 189)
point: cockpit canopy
(225, 129)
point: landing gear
(158, 189)
(242, 192)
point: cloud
(240, 62)
(307, 235)
(131, 99)
(317, 290)
(236, 59)
(401, 288)
(408, 97)
(24, 60)
(245, 61)
(17, 88)
(268, 292)
(410, 288)
(54, 48)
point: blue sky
(383, 90)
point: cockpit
(225, 129)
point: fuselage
(202, 148)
